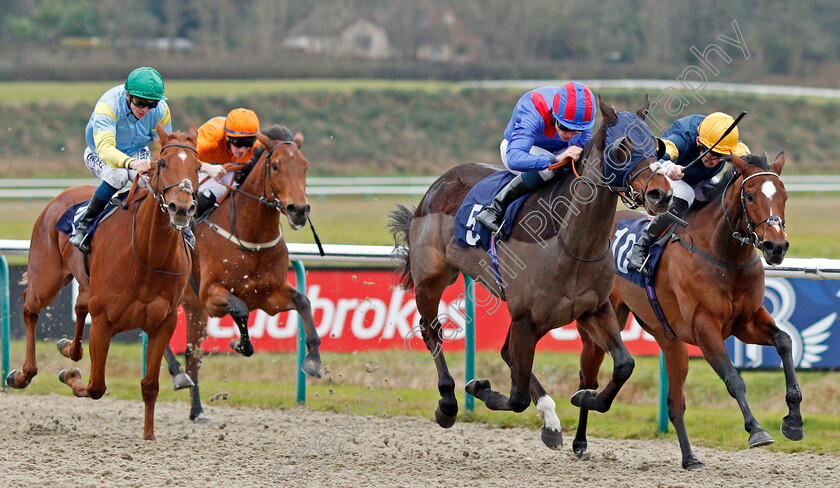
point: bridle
(751, 236)
(631, 198)
(273, 201)
(157, 192)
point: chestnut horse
(712, 287)
(241, 258)
(139, 268)
(553, 276)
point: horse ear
(660, 148)
(161, 132)
(739, 163)
(264, 139)
(298, 139)
(643, 110)
(607, 112)
(193, 133)
(621, 150)
(778, 164)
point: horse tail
(399, 221)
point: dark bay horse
(710, 288)
(555, 265)
(241, 257)
(139, 268)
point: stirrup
(80, 242)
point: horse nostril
(291, 209)
(655, 196)
(306, 209)
(171, 207)
(192, 209)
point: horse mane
(713, 190)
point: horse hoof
(760, 438)
(693, 464)
(445, 421)
(475, 386)
(579, 447)
(10, 378)
(60, 345)
(552, 438)
(201, 419)
(62, 376)
(181, 381)
(794, 433)
(583, 398)
(246, 349)
(312, 367)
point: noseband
(273, 201)
(751, 237)
(184, 185)
(629, 196)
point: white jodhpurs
(214, 186)
(545, 174)
(116, 177)
(682, 190)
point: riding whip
(725, 133)
(315, 235)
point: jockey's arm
(214, 171)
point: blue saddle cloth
(468, 231)
(627, 232)
(74, 213)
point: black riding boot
(493, 216)
(205, 204)
(79, 237)
(639, 254)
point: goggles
(242, 141)
(143, 102)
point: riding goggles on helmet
(242, 141)
(140, 102)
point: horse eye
(162, 163)
(750, 198)
(274, 166)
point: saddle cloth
(74, 213)
(627, 232)
(468, 231)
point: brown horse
(241, 257)
(555, 266)
(712, 287)
(139, 268)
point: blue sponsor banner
(808, 311)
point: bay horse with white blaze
(139, 268)
(712, 287)
(241, 259)
(553, 276)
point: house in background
(342, 36)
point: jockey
(686, 139)
(118, 135)
(223, 140)
(548, 124)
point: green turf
(409, 388)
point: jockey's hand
(141, 166)
(675, 172)
(214, 171)
(573, 152)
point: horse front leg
(287, 298)
(180, 378)
(602, 326)
(551, 433)
(196, 316)
(149, 385)
(73, 349)
(220, 302)
(676, 364)
(707, 332)
(763, 331)
(523, 341)
(591, 358)
(99, 343)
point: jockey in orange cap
(223, 140)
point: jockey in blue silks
(548, 124)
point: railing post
(469, 346)
(145, 339)
(300, 283)
(663, 395)
(4, 315)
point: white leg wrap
(545, 407)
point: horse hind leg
(239, 312)
(676, 364)
(591, 358)
(180, 378)
(196, 316)
(551, 433)
(21, 378)
(522, 346)
(312, 361)
(99, 343)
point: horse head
(175, 175)
(762, 205)
(630, 154)
(285, 173)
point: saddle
(74, 213)
(471, 233)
